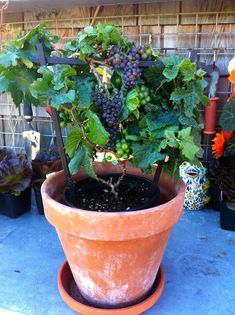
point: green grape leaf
(61, 98)
(8, 59)
(71, 45)
(4, 83)
(73, 140)
(132, 100)
(97, 133)
(108, 34)
(186, 144)
(85, 88)
(83, 157)
(145, 155)
(188, 70)
(87, 49)
(170, 73)
(172, 141)
(54, 87)
(19, 81)
(172, 61)
(153, 76)
(162, 120)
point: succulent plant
(15, 172)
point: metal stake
(59, 138)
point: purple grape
(109, 107)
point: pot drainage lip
(72, 297)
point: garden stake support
(56, 122)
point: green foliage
(55, 86)
(73, 140)
(132, 100)
(153, 76)
(85, 87)
(145, 155)
(102, 35)
(227, 118)
(17, 71)
(230, 147)
(83, 157)
(159, 117)
(97, 133)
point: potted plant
(15, 177)
(111, 223)
(223, 167)
(210, 111)
(45, 163)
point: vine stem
(107, 182)
(99, 62)
(110, 182)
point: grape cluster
(109, 106)
(145, 52)
(144, 95)
(65, 117)
(122, 149)
(128, 62)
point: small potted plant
(112, 223)
(45, 163)
(15, 178)
(223, 167)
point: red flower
(48, 110)
(219, 144)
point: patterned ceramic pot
(197, 191)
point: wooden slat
(78, 15)
(156, 8)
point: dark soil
(133, 194)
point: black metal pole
(59, 138)
(60, 145)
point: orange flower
(219, 144)
(231, 78)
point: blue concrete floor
(199, 266)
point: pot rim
(179, 184)
(112, 226)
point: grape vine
(139, 114)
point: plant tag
(31, 143)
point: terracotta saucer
(72, 297)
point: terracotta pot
(114, 257)
(210, 116)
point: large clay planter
(114, 257)
(210, 116)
